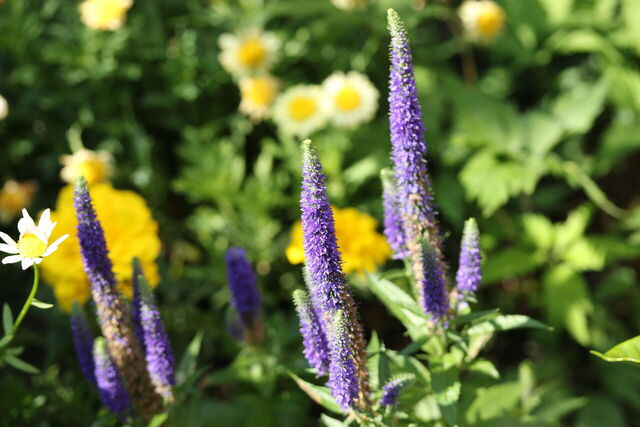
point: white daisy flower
(481, 20)
(4, 108)
(248, 51)
(257, 95)
(33, 244)
(350, 98)
(299, 110)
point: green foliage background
(536, 134)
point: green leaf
(21, 364)
(331, 422)
(446, 385)
(572, 229)
(42, 305)
(578, 108)
(158, 420)
(475, 316)
(539, 230)
(7, 319)
(494, 401)
(484, 367)
(627, 351)
(505, 322)
(567, 301)
(319, 394)
(188, 364)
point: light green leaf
(572, 229)
(539, 230)
(627, 351)
(42, 305)
(7, 319)
(319, 394)
(511, 262)
(21, 364)
(446, 385)
(331, 422)
(494, 401)
(188, 364)
(505, 322)
(583, 255)
(484, 367)
(158, 420)
(578, 108)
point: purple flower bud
(393, 227)
(83, 343)
(113, 312)
(108, 381)
(469, 275)
(434, 296)
(158, 354)
(391, 391)
(409, 152)
(245, 297)
(316, 349)
(343, 375)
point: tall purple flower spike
(329, 290)
(393, 226)
(434, 296)
(158, 353)
(469, 274)
(409, 152)
(112, 311)
(343, 375)
(108, 380)
(83, 343)
(391, 390)
(245, 296)
(316, 349)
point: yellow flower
(258, 94)
(350, 98)
(482, 20)
(300, 111)
(15, 196)
(130, 231)
(362, 247)
(248, 51)
(104, 14)
(94, 166)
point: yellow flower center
(490, 21)
(259, 91)
(92, 170)
(302, 107)
(30, 246)
(252, 53)
(347, 99)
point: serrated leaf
(319, 394)
(7, 319)
(491, 402)
(627, 351)
(505, 322)
(42, 305)
(21, 364)
(578, 108)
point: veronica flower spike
(33, 245)
(469, 274)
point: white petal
(8, 240)
(45, 219)
(54, 246)
(37, 260)
(11, 259)
(25, 222)
(26, 263)
(10, 249)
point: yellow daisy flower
(362, 247)
(248, 51)
(104, 14)
(257, 95)
(300, 110)
(130, 231)
(350, 98)
(482, 20)
(94, 166)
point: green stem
(27, 304)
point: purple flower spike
(393, 227)
(109, 383)
(245, 297)
(316, 349)
(409, 152)
(83, 343)
(434, 296)
(113, 313)
(391, 391)
(158, 355)
(469, 275)
(343, 376)
(136, 303)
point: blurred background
(197, 107)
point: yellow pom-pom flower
(300, 110)
(130, 231)
(94, 166)
(481, 20)
(248, 51)
(362, 247)
(15, 196)
(351, 99)
(104, 14)
(258, 94)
